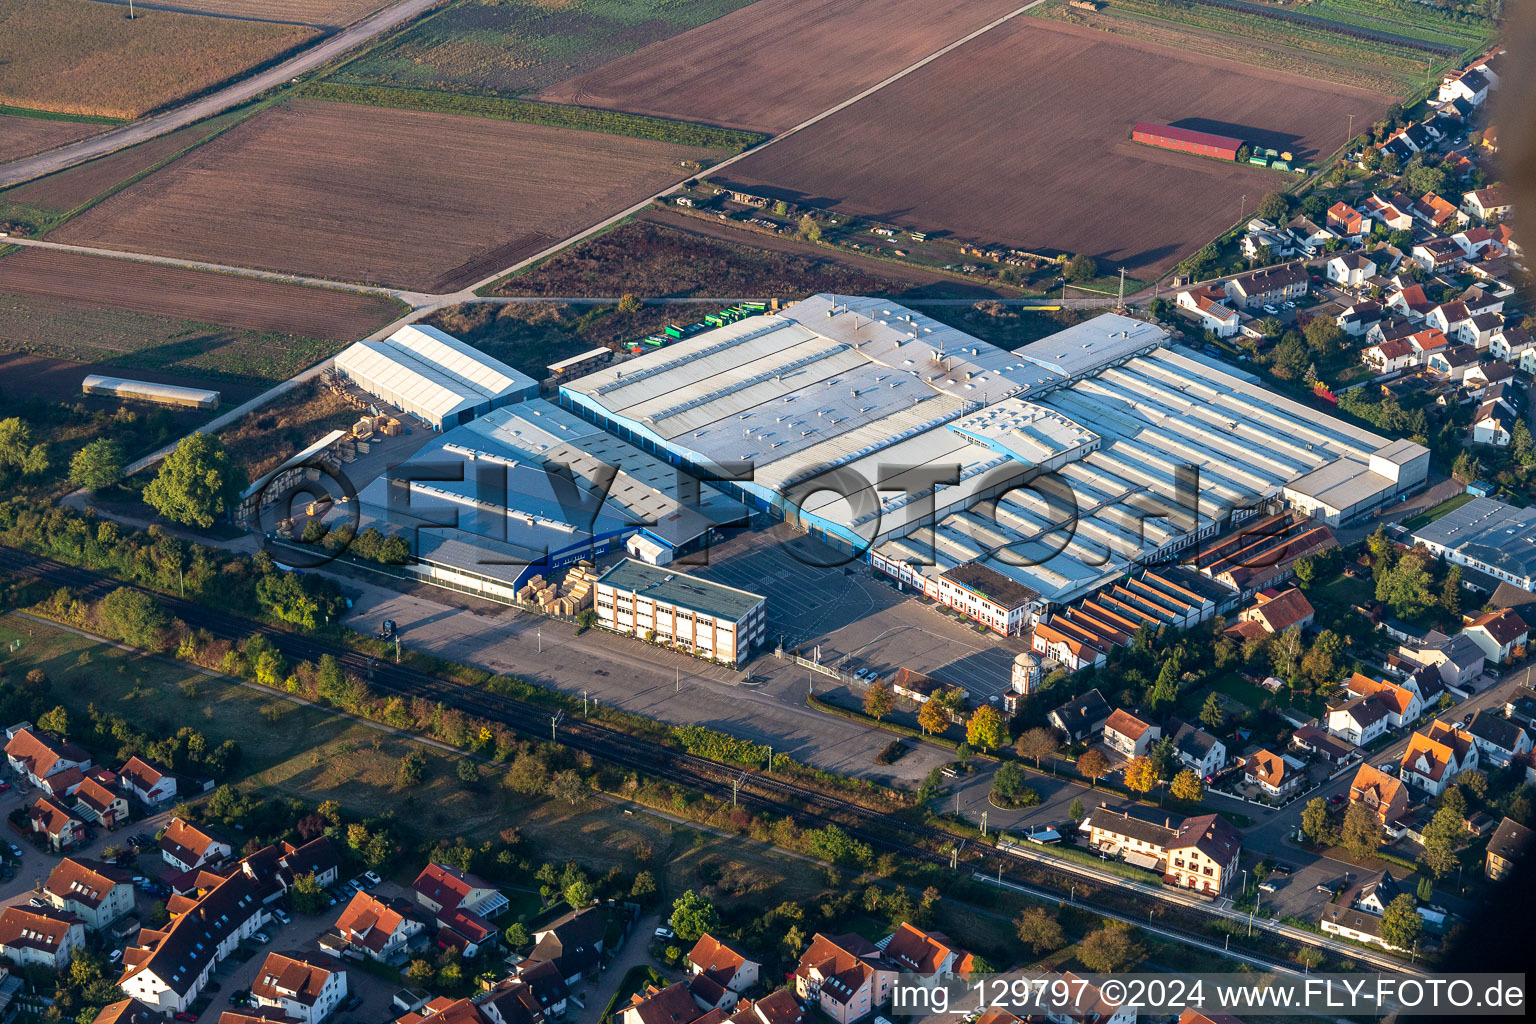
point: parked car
(1387, 767)
(185, 1017)
(115, 956)
(1326, 890)
(1337, 798)
(1282, 869)
(372, 878)
(1266, 886)
(263, 938)
(665, 933)
(37, 901)
(353, 1002)
(281, 915)
(5, 787)
(15, 851)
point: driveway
(636, 952)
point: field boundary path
(235, 93)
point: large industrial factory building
(1060, 467)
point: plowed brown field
(23, 136)
(399, 197)
(1023, 137)
(302, 12)
(772, 64)
(243, 302)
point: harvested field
(363, 202)
(1038, 153)
(72, 188)
(510, 47)
(297, 12)
(769, 66)
(242, 302)
(139, 344)
(83, 57)
(23, 136)
(664, 254)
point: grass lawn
(285, 748)
(1444, 508)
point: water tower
(1026, 679)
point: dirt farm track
(243, 302)
(380, 196)
(773, 63)
(1035, 151)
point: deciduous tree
(1109, 949)
(987, 729)
(196, 483)
(1039, 930)
(1361, 833)
(1092, 766)
(1140, 775)
(98, 465)
(879, 699)
(692, 916)
(1401, 924)
(1188, 786)
(1037, 744)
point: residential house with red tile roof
(96, 893)
(1279, 610)
(1434, 210)
(1208, 307)
(63, 827)
(442, 1010)
(845, 976)
(1402, 703)
(462, 905)
(920, 952)
(95, 802)
(1128, 735)
(1383, 794)
(1500, 740)
(1388, 356)
(673, 1004)
(1271, 773)
(186, 847)
(1344, 219)
(1491, 203)
(1436, 756)
(376, 928)
(303, 986)
(42, 937)
(1499, 634)
(778, 1007)
(128, 1011)
(37, 755)
(720, 974)
(150, 782)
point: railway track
(881, 830)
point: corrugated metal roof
(430, 371)
(148, 389)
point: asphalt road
(231, 95)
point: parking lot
(851, 612)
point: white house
(37, 755)
(1128, 735)
(184, 846)
(1493, 423)
(302, 986)
(43, 937)
(169, 968)
(1435, 757)
(1350, 269)
(152, 784)
(1358, 721)
(1499, 740)
(1208, 305)
(1197, 749)
(96, 893)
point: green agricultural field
(1408, 18)
(508, 47)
